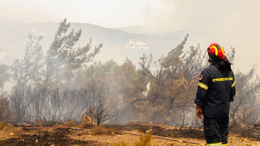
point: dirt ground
(120, 135)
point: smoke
(233, 23)
(25, 15)
(175, 15)
(2, 56)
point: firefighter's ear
(201, 77)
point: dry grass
(145, 140)
(100, 130)
(8, 130)
(70, 124)
(86, 124)
(123, 143)
(102, 135)
(3, 124)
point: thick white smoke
(233, 23)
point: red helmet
(216, 49)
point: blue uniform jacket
(215, 92)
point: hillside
(117, 43)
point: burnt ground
(57, 137)
(235, 129)
(241, 130)
(64, 136)
(159, 130)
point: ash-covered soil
(58, 137)
(120, 134)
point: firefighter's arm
(202, 88)
(201, 93)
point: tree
(63, 58)
(38, 104)
(28, 71)
(173, 84)
(27, 74)
(248, 87)
(128, 84)
(4, 103)
(4, 76)
(104, 112)
(97, 80)
(20, 100)
(5, 110)
(33, 76)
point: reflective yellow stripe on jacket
(222, 79)
(203, 86)
(234, 84)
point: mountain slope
(117, 44)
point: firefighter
(216, 89)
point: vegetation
(145, 140)
(70, 123)
(100, 130)
(120, 135)
(63, 84)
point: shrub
(15, 130)
(8, 129)
(99, 130)
(3, 124)
(85, 125)
(70, 124)
(145, 140)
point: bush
(85, 125)
(145, 140)
(70, 124)
(3, 124)
(100, 130)
(16, 131)
(8, 129)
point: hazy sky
(106, 13)
(171, 14)
(228, 22)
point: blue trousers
(216, 130)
